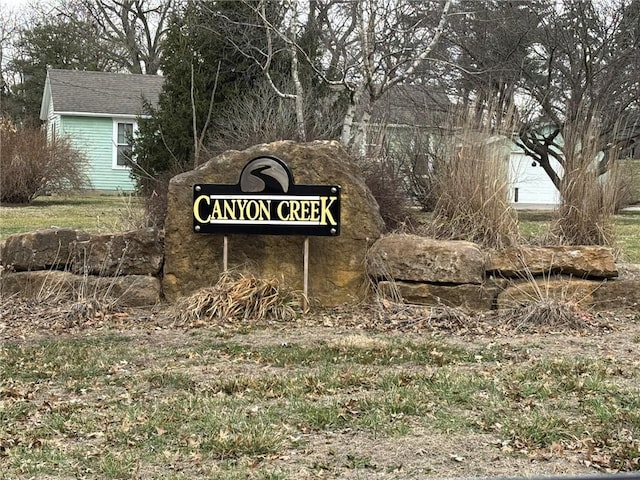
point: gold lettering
(241, 204)
(304, 209)
(315, 211)
(256, 210)
(229, 211)
(196, 208)
(280, 211)
(326, 212)
(265, 210)
(216, 212)
(295, 207)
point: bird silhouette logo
(265, 175)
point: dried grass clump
(85, 310)
(589, 199)
(54, 314)
(547, 314)
(472, 187)
(239, 297)
(451, 317)
(397, 315)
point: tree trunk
(347, 122)
(360, 138)
(299, 96)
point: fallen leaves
(51, 414)
(24, 318)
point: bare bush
(261, 116)
(383, 170)
(423, 155)
(155, 191)
(624, 182)
(386, 186)
(32, 166)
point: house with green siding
(98, 112)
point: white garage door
(530, 184)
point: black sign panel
(267, 202)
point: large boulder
(336, 264)
(137, 252)
(421, 259)
(529, 260)
(475, 298)
(40, 250)
(617, 294)
(125, 291)
(561, 289)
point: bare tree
(585, 80)
(367, 48)
(375, 45)
(9, 28)
(134, 28)
(289, 33)
(281, 27)
(488, 45)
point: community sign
(267, 201)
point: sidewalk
(547, 206)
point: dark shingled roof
(102, 92)
(411, 105)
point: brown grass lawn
(365, 393)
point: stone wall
(139, 267)
(125, 269)
(120, 268)
(459, 274)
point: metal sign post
(225, 254)
(305, 288)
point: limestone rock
(336, 264)
(475, 298)
(616, 294)
(39, 284)
(137, 252)
(126, 291)
(524, 292)
(530, 260)
(41, 249)
(421, 259)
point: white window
(123, 132)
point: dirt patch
(424, 454)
